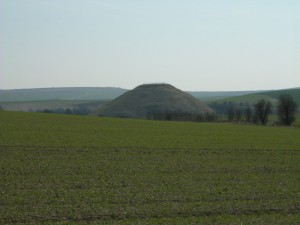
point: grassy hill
(57, 99)
(74, 93)
(268, 95)
(153, 98)
(93, 98)
(295, 93)
(109, 93)
(90, 106)
(59, 169)
(216, 95)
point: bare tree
(68, 111)
(230, 113)
(248, 114)
(262, 110)
(286, 109)
(238, 115)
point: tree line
(181, 116)
(80, 110)
(257, 113)
(260, 111)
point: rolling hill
(92, 98)
(73, 93)
(271, 96)
(153, 98)
(96, 93)
(216, 95)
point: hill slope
(73, 93)
(267, 95)
(153, 98)
(295, 93)
(216, 95)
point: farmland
(62, 169)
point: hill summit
(148, 100)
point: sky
(195, 45)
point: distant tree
(231, 113)
(238, 115)
(286, 109)
(59, 110)
(211, 117)
(1, 108)
(80, 110)
(248, 114)
(234, 113)
(262, 110)
(199, 118)
(68, 111)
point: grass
(58, 169)
(274, 118)
(297, 121)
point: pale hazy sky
(192, 44)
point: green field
(60, 169)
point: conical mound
(150, 99)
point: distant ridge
(216, 95)
(272, 96)
(153, 98)
(67, 93)
(110, 93)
